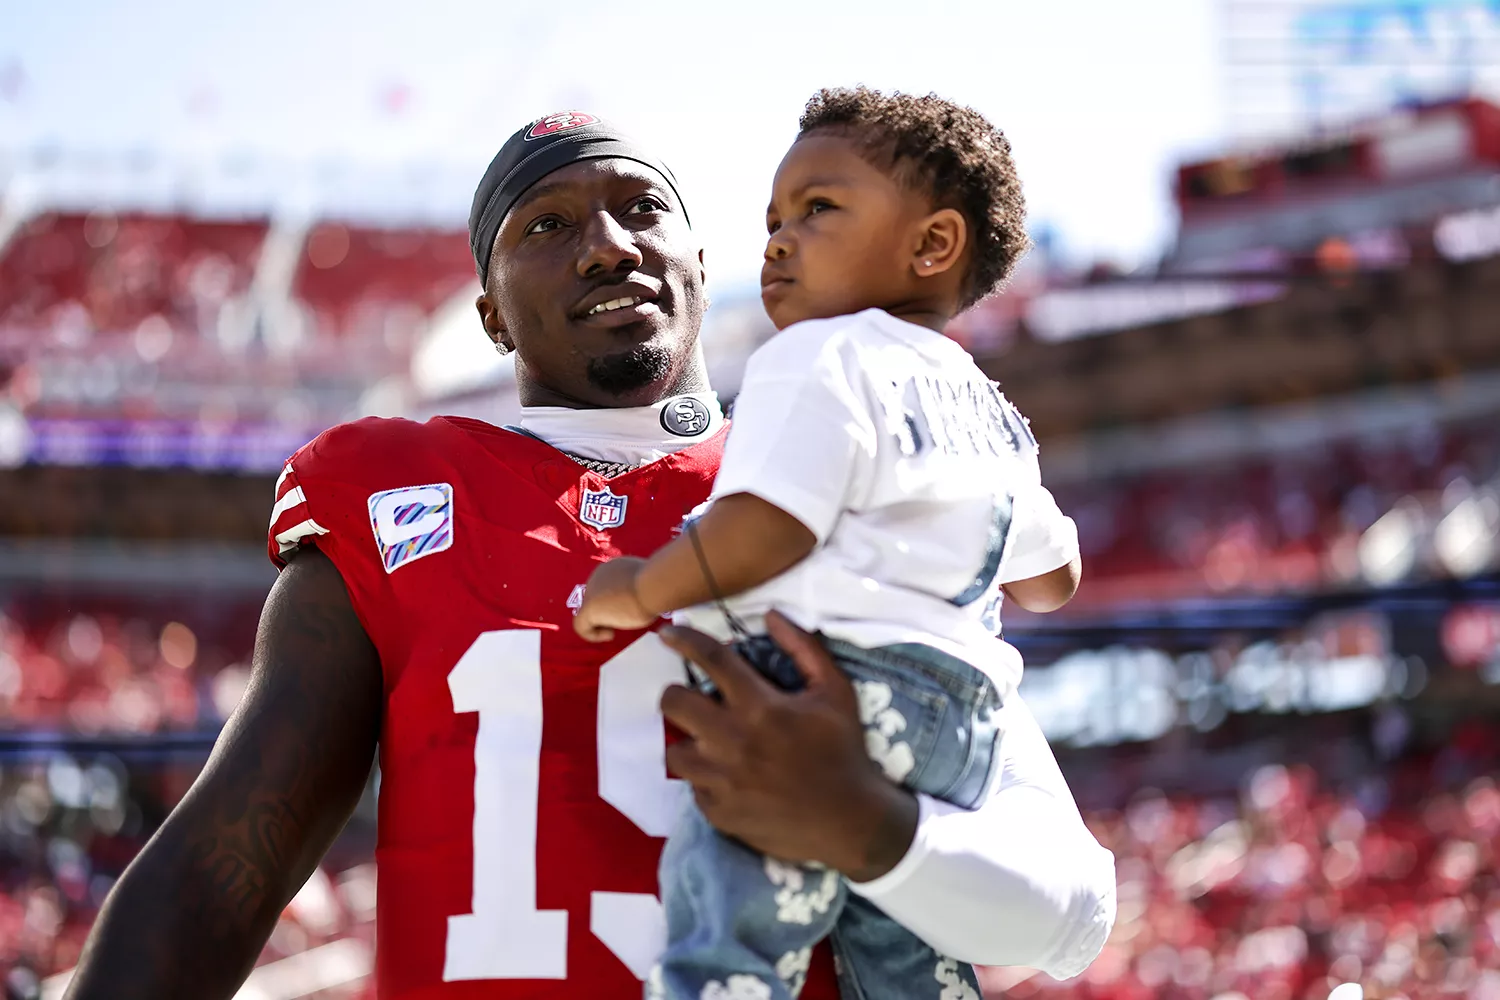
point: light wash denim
(741, 926)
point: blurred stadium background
(1276, 696)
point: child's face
(844, 234)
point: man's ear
(942, 238)
(494, 326)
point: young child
(877, 489)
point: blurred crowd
(1390, 878)
(154, 282)
(129, 672)
(68, 828)
(1293, 888)
(1420, 505)
(1292, 885)
(1373, 511)
(1277, 893)
(71, 821)
(173, 318)
(73, 275)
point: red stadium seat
(75, 276)
(362, 283)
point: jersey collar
(633, 435)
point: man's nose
(607, 246)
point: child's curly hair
(949, 150)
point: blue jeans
(733, 913)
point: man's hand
(610, 601)
(786, 772)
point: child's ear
(944, 235)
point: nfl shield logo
(602, 509)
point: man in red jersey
(424, 609)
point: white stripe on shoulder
(302, 529)
(287, 471)
(293, 497)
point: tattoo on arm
(190, 915)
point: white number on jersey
(505, 936)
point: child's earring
(927, 263)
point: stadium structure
(1276, 695)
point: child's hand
(610, 601)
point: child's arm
(802, 450)
(745, 540)
(1049, 591)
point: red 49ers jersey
(524, 793)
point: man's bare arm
(192, 912)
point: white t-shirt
(919, 479)
(1018, 880)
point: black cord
(735, 625)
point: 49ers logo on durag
(563, 121)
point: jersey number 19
(506, 936)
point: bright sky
(1100, 98)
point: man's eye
(544, 225)
(646, 203)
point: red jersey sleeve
(320, 492)
(292, 520)
(323, 498)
